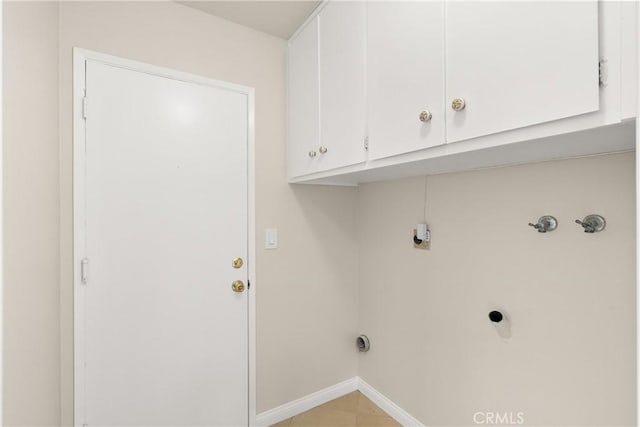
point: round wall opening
(363, 343)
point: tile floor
(351, 410)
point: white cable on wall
(637, 216)
(1, 231)
(426, 182)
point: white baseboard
(305, 403)
(384, 403)
(298, 406)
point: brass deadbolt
(237, 262)
(237, 286)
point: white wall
(30, 390)
(570, 295)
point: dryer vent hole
(362, 342)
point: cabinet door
(342, 84)
(303, 103)
(519, 63)
(404, 76)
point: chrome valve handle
(592, 223)
(545, 223)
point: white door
(342, 84)
(303, 108)
(519, 63)
(405, 66)
(163, 338)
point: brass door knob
(312, 153)
(237, 286)
(237, 262)
(322, 149)
(425, 116)
(458, 104)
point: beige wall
(570, 295)
(571, 359)
(312, 273)
(30, 392)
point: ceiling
(278, 18)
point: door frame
(80, 56)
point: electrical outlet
(424, 245)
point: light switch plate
(271, 238)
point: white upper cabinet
(405, 62)
(303, 102)
(373, 85)
(342, 32)
(517, 64)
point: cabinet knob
(322, 149)
(312, 153)
(458, 104)
(425, 116)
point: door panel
(303, 108)
(166, 212)
(405, 62)
(519, 63)
(342, 84)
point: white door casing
(163, 201)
